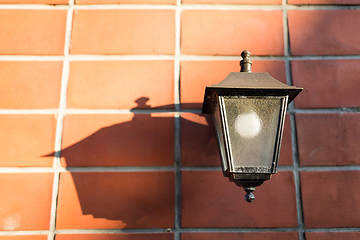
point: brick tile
(30, 84)
(241, 236)
(332, 235)
(196, 75)
(118, 140)
(337, 2)
(172, 2)
(338, 87)
(108, 200)
(199, 145)
(330, 199)
(37, 32)
(115, 236)
(23, 237)
(26, 139)
(25, 201)
(211, 32)
(328, 139)
(324, 32)
(123, 32)
(120, 84)
(34, 1)
(206, 196)
(233, 1)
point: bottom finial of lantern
(248, 182)
(249, 197)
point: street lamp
(249, 112)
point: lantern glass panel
(221, 140)
(254, 127)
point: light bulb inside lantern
(248, 125)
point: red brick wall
(101, 135)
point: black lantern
(249, 112)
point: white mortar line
(287, 53)
(29, 111)
(181, 57)
(177, 144)
(268, 7)
(329, 168)
(296, 172)
(143, 57)
(122, 169)
(111, 231)
(30, 58)
(238, 230)
(163, 168)
(201, 168)
(86, 169)
(325, 110)
(323, 7)
(59, 126)
(34, 6)
(164, 111)
(22, 233)
(186, 230)
(51, 234)
(27, 170)
(333, 229)
(143, 7)
(177, 169)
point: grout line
(22, 233)
(121, 169)
(178, 186)
(299, 208)
(54, 197)
(201, 168)
(333, 229)
(162, 230)
(177, 56)
(326, 110)
(287, 53)
(112, 231)
(329, 168)
(165, 111)
(29, 111)
(34, 6)
(177, 143)
(237, 230)
(59, 126)
(267, 7)
(191, 230)
(162, 168)
(85, 169)
(26, 170)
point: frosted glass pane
(220, 136)
(252, 127)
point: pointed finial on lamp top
(246, 62)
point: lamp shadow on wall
(130, 198)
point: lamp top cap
(246, 83)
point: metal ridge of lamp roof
(249, 113)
